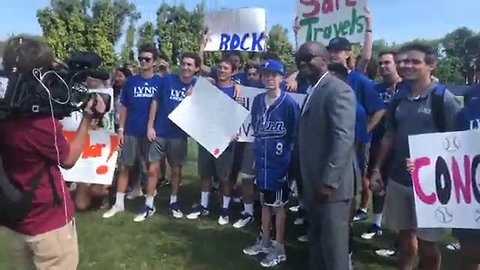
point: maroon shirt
(26, 145)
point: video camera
(34, 91)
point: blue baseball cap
(273, 66)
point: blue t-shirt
(136, 96)
(361, 134)
(169, 96)
(469, 116)
(302, 84)
(385, 92)
(230, 91)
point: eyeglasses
(146, 59)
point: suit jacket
(326, 136)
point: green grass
(168, 244)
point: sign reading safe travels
(322, 20)
(236, 30)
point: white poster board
(446, 179)
(236, 30)
(3, 86)
(209, 116)
(323, 20)
(97, 162)
(248, 94)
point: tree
(146, 34)
(127, 55)
(71, 26)
(454, 44)
(178, 30)
(279, 43)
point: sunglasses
(146, 59)
(306, 58)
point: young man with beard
(135, 103)
(167, 138)
(274, 119)
(412, 111)
(387, 89)
(218, 169)
(340, 51)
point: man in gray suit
(327, 158)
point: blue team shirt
(136, 96)
(469, 116)
(239, 77)
(273, 130)
(361, 134)
(385, 93)
(172, 92)
(229, 91)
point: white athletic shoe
(113, 211)
(244, 220)
(135, 193)
(144, 213)
(223, 219)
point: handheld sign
(236, 30)
(97, 163)
(209, 116)
(3, 86)
(323, 20)
(248, 94)
(446, 179)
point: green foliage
(127, 55)
(279, 43)
(146, 34)
(71, 26)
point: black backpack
(15, 204)
(438, 107)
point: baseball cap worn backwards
(273, 66)
(339, 44)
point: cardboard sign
(209, 116)
(236, 30)
(248, 94)
(322, 20)
(97, 162)
(446, 179)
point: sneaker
(294, 208)
(198, 212)
(244, 220)
(350, 261)
(298, 221)
(303, 239)
(175, 210)
(113, 211)
(237, 199)
(163, 182)
(145, 212)
(223, 219)
(260, 247)
(135, 193)
(274, 257)
(453, 246)
(360, 215)
(386, 252)
(374, 230)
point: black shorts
(276, 198)
(467, 235)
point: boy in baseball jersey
(274, 118)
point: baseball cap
(339, 44)
(273, 66)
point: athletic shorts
(400, 212)
(276, 198)
(247, 169)
(174, 149)
(218, 168)
(133, 149)
(467, 235)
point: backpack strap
(393, 108)
(438, 107)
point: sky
(393, 20)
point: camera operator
(30, 146)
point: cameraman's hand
(96, 106)
(151, 134)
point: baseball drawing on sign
(443, 215)
(451, 144)
(477, 216)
